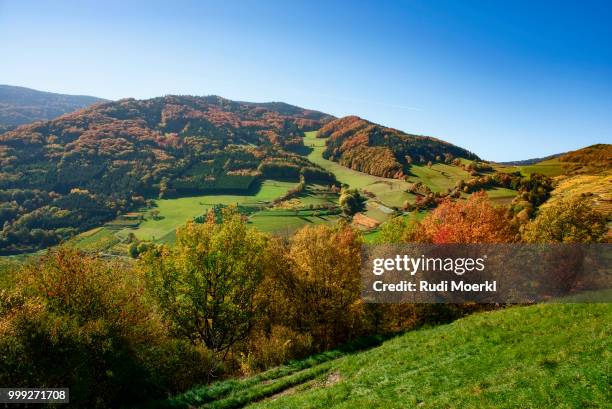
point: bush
(81, 322)
(281, 345)
(351, 201)
(567, 221)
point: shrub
(81, 322)
(567, 221)
(351, 201)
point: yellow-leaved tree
(205, 285)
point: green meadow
(175, 212)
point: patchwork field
(353, 178)
(439, 177)
(159, 223)
(172, 214)
(392, 193)
(175, 212)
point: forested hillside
(367, 147)
(74, 172)
(19, 105)
(592, 159)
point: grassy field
(439, 177)
(173, 213)
(353, 178)
(501, 195)
(389, 194)
(550, 167)
(285, 224)
(392, 192)
(555, 355)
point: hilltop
(20, 105)
(380, 151)
(532, 161)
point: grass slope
(540, 356)
(554, 355)
(390, 191)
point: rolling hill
(19, 105)
(72, 173)
(380, 151)
(558, 356)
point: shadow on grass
(236, 393)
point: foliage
(398, 230)
(592, 159)
(474, 220)
(206, 283)
(351, 201)
(117, 153)
(317, 282)
(377, 150)
(80, 322)
(567, 221)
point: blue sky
(507, 80)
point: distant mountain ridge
(381, 151)
(532, 161)
(20, 105)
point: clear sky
(508, 80)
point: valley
(159, 222)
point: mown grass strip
(262, 390)
(220, 390)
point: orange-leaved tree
(475, 220)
